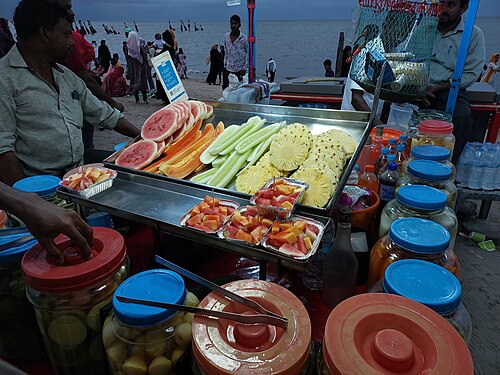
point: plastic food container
(413, 238)
(389, 334)
(45, 187)
(94, 188)
(20, 339)
(435, 153)
(148, 340)
(246, 226)
(430, 285)
(436, 133)
(270, 211)
(197, 217)
(431, 173)
(71, 300)
(226, 347)
(420, 201)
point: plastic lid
(41, 185)
(424, 282)
(154, 285)
(43, 274)
(386, 334)
(369, 168)
(225, 347)
(435, 127)
(422, 197)
(403, 137)
(392, 166)
(392, 141)
(400, 147)
(15, 253)
(419, 235)
(429, 152)
(391, 157)
(119, 146)
(385, 150)
(429, 170)
(356, 167)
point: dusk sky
(217, 10)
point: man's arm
(475, 59)
(124, 127)
(359, 104)
(11, 170)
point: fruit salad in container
(245, 224)
(88, 181)
(298, 237)
(278, 197)
(209, 215)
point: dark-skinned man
(42, 104)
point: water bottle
(464, 165)
(381, 160)
(490, 169)
(392, 145)
(354, 176)
(476, 168)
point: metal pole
(462, 55)
(251, 41)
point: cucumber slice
(258, 137)
(203, 177)
(249, 130)
(208, 155)
(262, 149)
(218, 147)
(228, 170)
(217, 163)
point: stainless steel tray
(318, 120)
(162, 204)
(314, 85)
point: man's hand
(119, 106)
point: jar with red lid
(388, 334)
(413, 238)
(71, 299)
(224, 347)
(436, 133)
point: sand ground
(481, 270)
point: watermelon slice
(291, 250)
(195, 110)
(160, 125)
(203, 109)
(138, 155)
(210, 111)
(179, 133)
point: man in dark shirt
(328, 68)
(104, 55)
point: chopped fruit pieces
(209, 215)
(280, 194)
(86, 177)
(247, 225)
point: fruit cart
(161, 201)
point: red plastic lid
(43, 274)
(388, 134)
(435, 127)
(387, 334)
(226, 347)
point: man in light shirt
(271, 70)
(236, 47)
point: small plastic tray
(279, 213)
(315, 244)
(222, 202)
(223, 233)
(92, 189)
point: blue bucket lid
(419, 235)
(120, 145)
(429, 152)
(16, 253)
(429, 170)
(424, 282)
(154, 285)
(422, 197)
(41, 185)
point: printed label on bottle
(387, 192)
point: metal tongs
(264, 316)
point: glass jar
(420, 201)
(45, 187)
(20, 339)
(430, 285)
(427, 152)
(436, 133)
(226, 347)
(148, 339)
(431, 173)
(413, 238)
(72, 299)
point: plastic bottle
(476, 171)
(464, 165)
(490, 169)
(340, 268)
(387, 184)
(381, 160)
(400, 154)
(375, 147)
(392, 145)
(404, 140)
(391, 158)
(354, 176)
(369, 179)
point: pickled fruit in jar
(160, 366)
(135, 366)
(67, 330)
(182, 335)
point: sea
(298, 47)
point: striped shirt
(236, 53)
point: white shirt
(271, 66)
(347, 98)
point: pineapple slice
(345, 139)
(322, 165)
(265, 162)
(334, 159)
(320, 187)
(290, 147)
(252, 179)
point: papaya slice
(189, 137)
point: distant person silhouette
(328, 68)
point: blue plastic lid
(400, 147)
(153, 285)
(429, 152)
(384, 151)
(392, 141)
(120, 145)
(424, 282)
(14, 254)
(403, 137)
(41, 185)
(429, 170)
(391, 157)
(392, 166)
(419, 235)
(422, 197)
(356, 168)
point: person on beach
(138, 67)
(6, 38)
(115, 83)
(43, 104)
(222, 55)
(181, 63)
(271, 70)
(159, 43)
(327, 64)
(444, 57)
(491, 70)
(346, 61)
(104, 55)
(213, 59)
(236, 50)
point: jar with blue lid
(145, 339)
(420, 201)
(20, 341)
(45, 187)
(428, 152)
(413, 238)
(432, 286)
(431, 173)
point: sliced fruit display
(245, 224)
(86, 177)
(345, 139)
(253, 178)
(290, 147)
(320, 189)
(209, 215)
(265, 162)
(138, 155)
(161, 124)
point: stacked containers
(68, 299)
(435, 153)
(436, 133)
